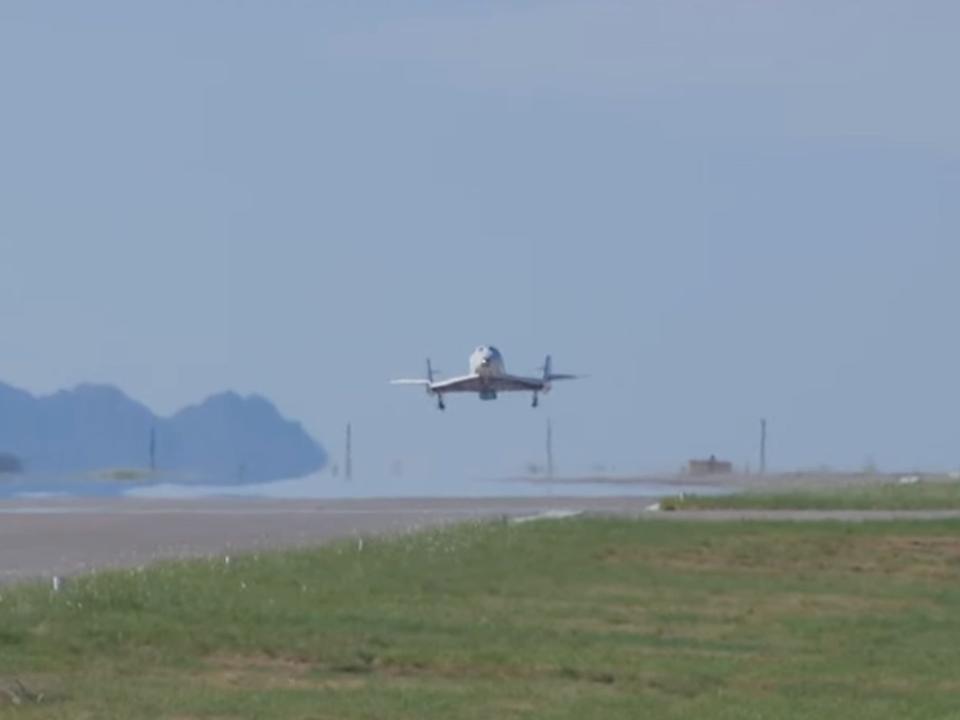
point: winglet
(549, 375)
(547, 369)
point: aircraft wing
(474, 383)
(508, 383)
(465, 383)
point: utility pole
(153, 448)
(549, 450)
(348, 462)
(763, 446)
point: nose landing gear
(536, 400)
(440, 403)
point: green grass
(563, 619)
(123, 474)
(887, 496)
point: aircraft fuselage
(487, 362)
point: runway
(43, 538)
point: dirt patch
(931, 556)
(829, 604)
(28, 690)
(265, 672)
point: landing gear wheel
(440, 403)
(536, 400)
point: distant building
(710, 466)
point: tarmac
(47, 538)
(62, 537)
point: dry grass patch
(935, 557)
(263, 672)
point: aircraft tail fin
(549, 375)
(429, 371)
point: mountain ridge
(227, 437)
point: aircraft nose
(485, 357)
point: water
(325, 487)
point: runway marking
(547, 515)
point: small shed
(710, 466)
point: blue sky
(720, 211)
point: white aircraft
(487, 377)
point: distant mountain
(226, 438)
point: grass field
(888, 496)
(585, 618)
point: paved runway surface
(42, 538)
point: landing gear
(536, 400)
(440, 403)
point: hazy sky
(720, 211)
